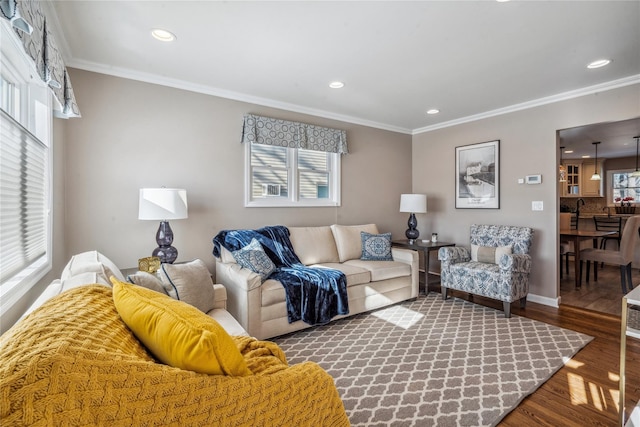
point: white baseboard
(552, 302)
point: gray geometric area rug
(430, 362)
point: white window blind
(23, 197)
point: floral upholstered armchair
(496, 266)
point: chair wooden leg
(523, 302)
(595, 271)
(566, 264)
(588, 269)
(623, 278)
(629, 281)
(580, 275)
(506, 306)
(443, 290)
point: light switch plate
(537, 206)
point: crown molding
(236, 96)
(222, 93)
(589, 90)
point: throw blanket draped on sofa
(314, 295)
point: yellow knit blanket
(74, 362)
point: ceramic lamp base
(412, 233)
(164, 238)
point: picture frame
(478, 176)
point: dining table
(576, 236)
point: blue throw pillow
(376, 247)
(255, 259)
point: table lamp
(413, 203)
(163, 204)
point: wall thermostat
(533, 179)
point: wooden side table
(425, 247)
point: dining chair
(629, 244)
(567, 220)
(607, 223)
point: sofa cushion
(314, 245)
(189, 282)
(382, 270)
(348, 241)
(376, 247)
(91, 262)
(355, 275)
(147, 280)
(489, 254)
(177, 333)
(253, 257)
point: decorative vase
(626, 210)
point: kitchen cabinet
(591, 188)
(579, 183)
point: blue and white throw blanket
(313, 295)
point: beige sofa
(73, 360)
(92, 267)
(260, 307)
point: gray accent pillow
(147, 280)
(376, 247)
(255, 259)
(489, 254)
(191, 283)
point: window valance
(31, 26)
(284, 133)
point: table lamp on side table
(413, 203)
(163, 204)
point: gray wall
(528, 146)
(133, 135)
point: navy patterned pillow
(255, 259)
(376, 247)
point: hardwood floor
(604, 295)
(585, 391)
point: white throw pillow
(91, 262)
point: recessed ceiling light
(433, 111)
(599, 63)
(336, 85)
(568, 151)
(163, 35)
(586, 156)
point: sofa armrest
(232, 274)
(408, 256)
(454, 254)
(219, 296)
(515, 263)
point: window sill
(21, 283)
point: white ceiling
(397, 59)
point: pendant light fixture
(636, 174)
(596, 175)
(561, 170)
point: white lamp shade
(413, 203)
(162, 203)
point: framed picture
(478, 176)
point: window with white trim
(25, 173)
(282, 176)
(622, 185)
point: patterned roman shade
(284, 133)
(32, 27)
